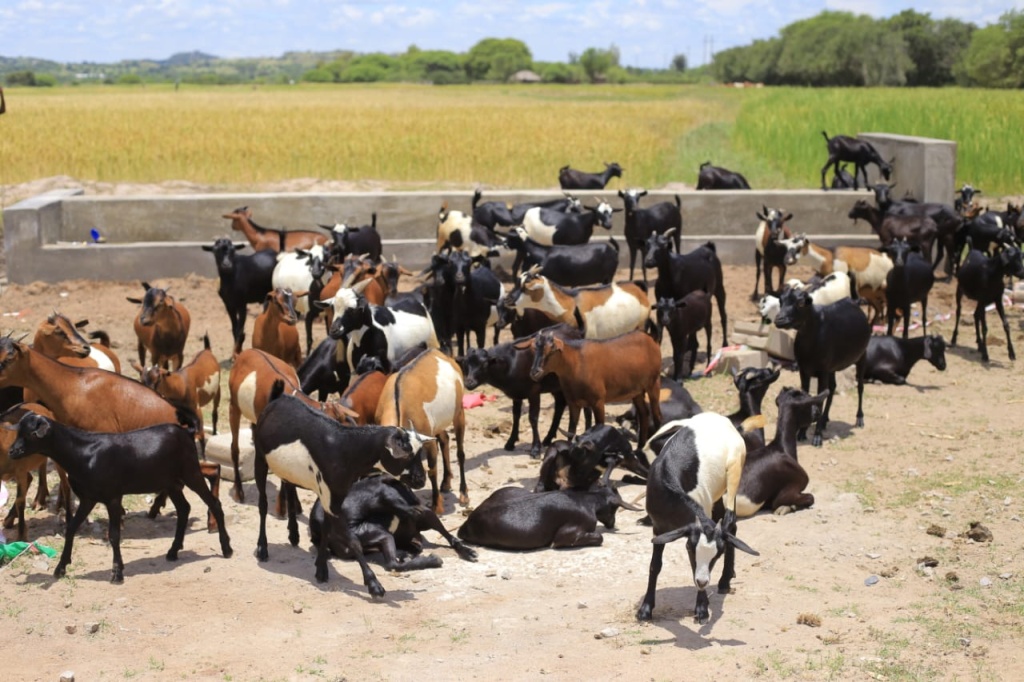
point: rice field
(500, 136)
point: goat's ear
(238, 247)
(671, 536)
(740, 545)
(207, 247)
(618, 210)
(145, 285)
(136, 301)
(789, 216)
(759, 216)
(81, 324)
(320, 305)
(42, 428)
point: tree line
(907, 49)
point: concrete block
(218, 449)
(758, 328)
(741, 359)
(780, 343)
(751, 340)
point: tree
(597, 62)
(995, 56)
(679, 63)
(440, 67)
(557, 72)
(496, 59)
(933, 46)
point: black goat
(701, 464)
(768, 249)
(325, 370)
(569, 266)
(715, 177)
(570, 178)
(988, 230)
(104, 467)
(858, 152)
(679, 274)
(244, 279)
(506, 366)
(917, 228)
(889, 359)
(463, 297)
(947, 221)
(828, 338)
(683, 318)
(304, 447)
(841, 178)
(676, 404)
(579, 464)
(364, 240)
(965, 199)
(516, 519)
(981, 278)
(387, 517)
(910, 280)
(490, 214)
(751, 387)
(772, 476)
(641, 223)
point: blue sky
(647, 32)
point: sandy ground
(838, 591)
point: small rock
(67, 676)
(1007, 502)
(965, 641)
(296, 608)
(71, 629)
(936, 530)
(92, 627)
(207, 569)
(607, 633)
(581, 604)
(646, 651)
(506, 574)
(491, 573)
(952, 577)
(871, 580)
(67, 603)
(1005, 576)
(872, 555)
(985, 582)
(890, 572)
(928, 561)
(809, 619)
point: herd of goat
(385, 389)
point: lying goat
(890, 359)
(578, 464)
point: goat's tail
(101, 336)
(704, 165)
(615, 244)
(679, 204)
(187, 418)
(749, 424)
(827, 138)
(476, 197)
(206, 341)
(276, 389)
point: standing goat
(715, 177)
(244, 279)
(701, 464)
(858, 152)
(679, 274)
(275, 330)
(162, 327)
(641, 223)
(570, 178)
(768, 248)
(981, 278)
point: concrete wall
(924, 166)
(47, 237)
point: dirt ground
(840, 591)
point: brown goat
(161, 326)
(363, 395)
(275, 330)
(59, 338)
(595, 372)
(252, 376)
(276, 240)
(426, 395)
(21, 470)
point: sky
(648, 33)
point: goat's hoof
(237, 496)
(725, 589)
(321, 576)
(816, 441)
(60, 572)
(117, 579)
(643, 614)
(701, 618)
(859, 423)
(262, 554)
(510, 446)
(377, 591)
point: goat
(772, 476)
(823, 290)
(516, 519)
(458, 231)
(675, 401)
(947, 221)
(570, 266)
(103, 467)
(570, 178)
(889, 359)
(600, 312)
(21, 470)
(490, 214)
(301, 446)
(867, 268)
(683, 318)
(641, 223)
(858, 152)
(427, 394)
(59, 338)
(274, 330)
(715, 177)
(276, 240)
(579, 464)
(841, 178)
(351, 240)
(244, 279)
(828, 338)
(381, 331)
(679, 274)
(917, 229)
(463, 298)
(985, 232)
(249, 386)
(506, 367)
(567, 228)
(362, 396)
(699, 465)
(964, 199)
(161, 326)
(592, 373)
(195, 385)
(386, 516)
(768, 248)
(909, 281)
(980, 278)
(325, 370)
(303, 271)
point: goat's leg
(956, 325)
(24, 480)
(115, 512)
(701, 610)
(435, 494)
(158, 503)
(691, 341)
(576, 536)
(643, 417)
(574, 419)
(428, 520)
(197, 485)
(211, 472)
(861, 370)
(632, 260)
(981, 330)
(823, 419)
(234, 421)
(260, 471)
(728, 569)
(340, 525)
(707, 333)
(644, 613)
(84, 508)
(1006, 327)
(375, 536)
(444, 441)
(757, 275)
(459, 425)
(556, 419)
(805, 385)
(832, 161)
(720, 299)
(182, 509)
(308, 321)
(517, 413)
(42, 490)
(291, 494)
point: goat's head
(796, 247)
(546, 347)
(861, 209)
(154, 302)
(755, 379)
(656, 246)
(32, 430)
(794, 307)
(705, 542)
(242, 213)
(604, 212)
(57, 336)
(886, 167)
(1010, 261)
(532, 286)
(11, 351)
(404, 452)
(613, 169)
(631, 198)
(935, 351)
(283, 302)
(224, 250)
(478, 364)
(883, 193)
(605, 512)
(803, 407)
(899, 250)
